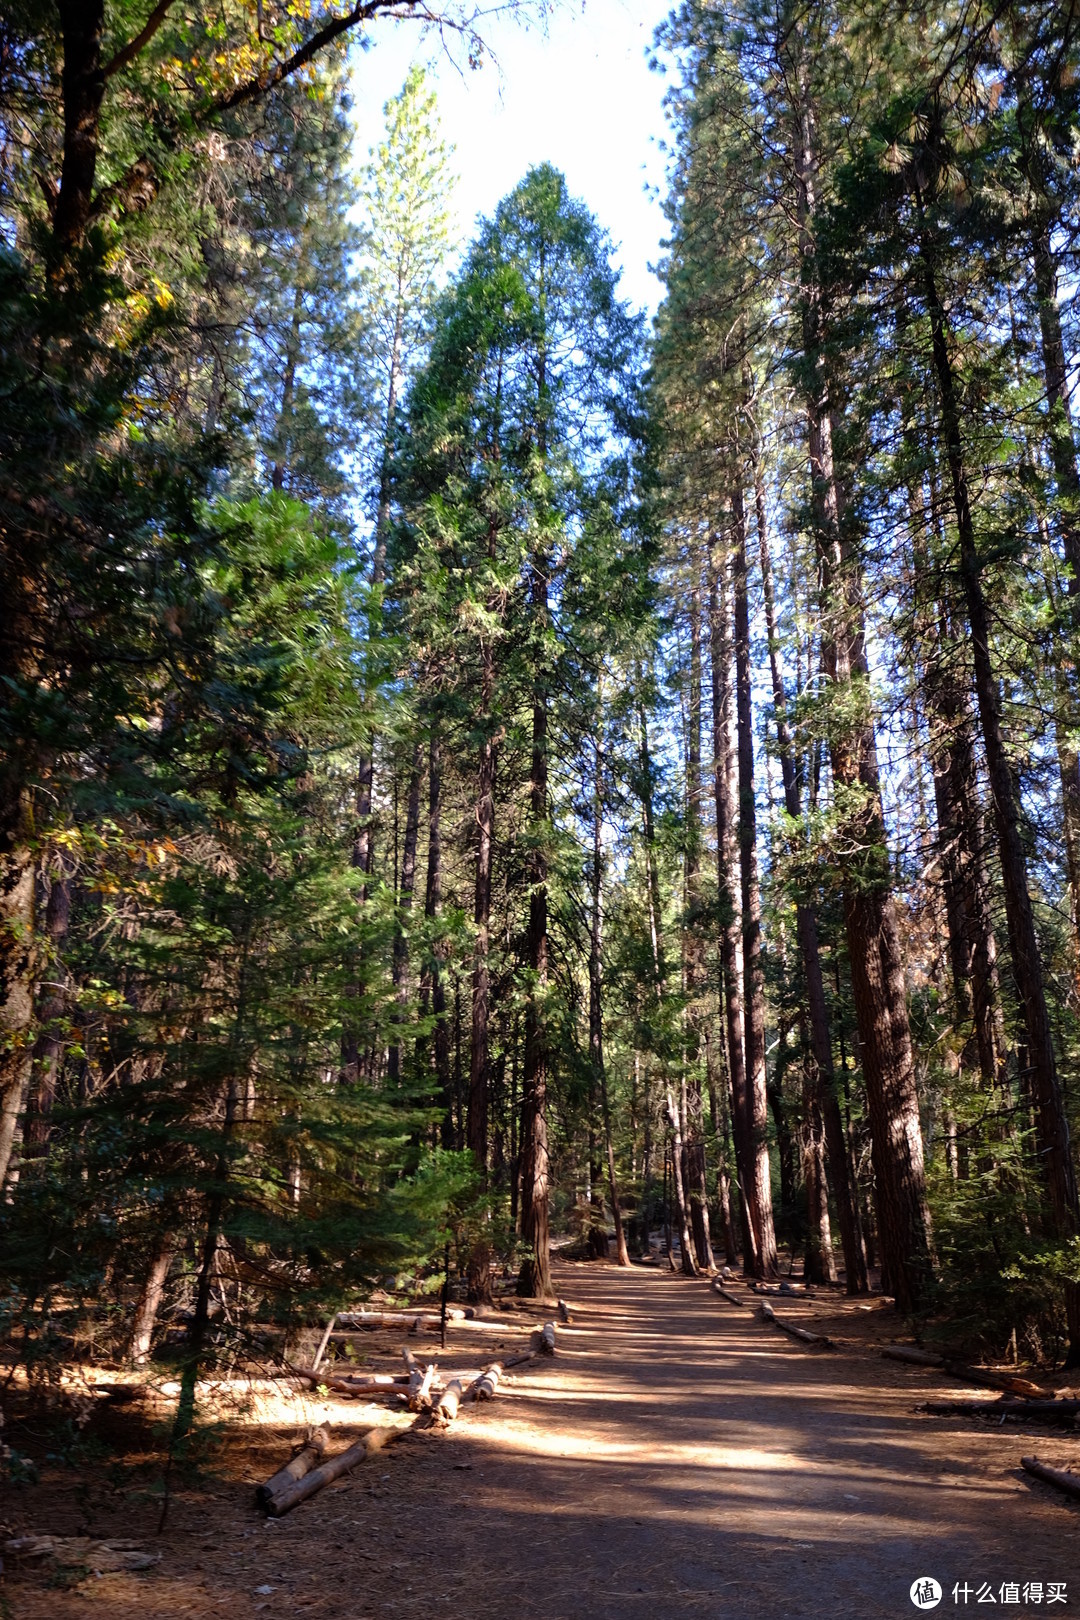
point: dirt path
(679, 1457)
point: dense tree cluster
(469, 770)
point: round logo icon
(925, 1592)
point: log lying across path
(284, 1500)
(1069, 1483)
(1035, 1411)
(802, 1334)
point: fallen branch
(303, 1461)
(299, 1491)
(1036, 1411)
(1069, 1483)
(323, 1342)
(802, 1334)
(732, 1299)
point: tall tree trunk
(280, 467)
(689, 1264)
(82, 24)
(49, 1044)
(596, 984)
(479, 1264)
(406, 889)
(761, 1212)
(877, 974)
(1055, 1153)
(825, 1097)
(718, 1116)
(819, 1266)
(655, 920)
(479, 1060)
(1066, 518)
(363, 854)
(18, 965)
(730, 904)
(433, 977)
(693, 952)
(535, 1277)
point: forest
(485, 773)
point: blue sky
(579, 95)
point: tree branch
(141, 40)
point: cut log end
(447, 1408)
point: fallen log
(299, 1491)
(520, 1359)
(546, 1344)
(354, 1384)
(732, 1299)
(802, 1334)
(918, 1358)
(1036, 1411)
(398, 1319)
(985, 1379)
(1069, 1483)
(302, 1462)
(449, 1401)
(483, 1388)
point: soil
(679, 1456)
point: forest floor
(679, 1456)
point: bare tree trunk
(149, 1302)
